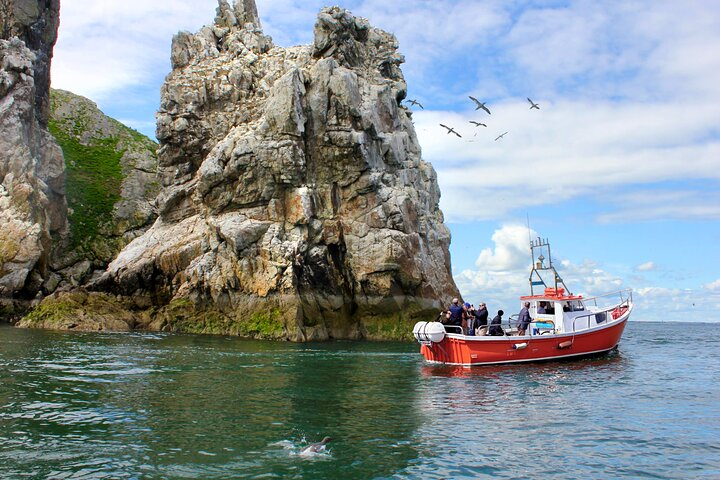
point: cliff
(32, 182)
(111, 183)
(294, 201)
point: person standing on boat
(524, 319)
(495, 328)
(457, 313)
(470, 319)
(482, 315)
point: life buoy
(565, 344)
(618, 312)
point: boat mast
(540, 269)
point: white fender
(426, 332)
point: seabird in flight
(450, 130)
(533, 104)
(500, 136)
(415, 102)
(479, 104)
(478, 124)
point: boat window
(573, 306)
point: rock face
(32, 182)
(111, 185)
(294, 203)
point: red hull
(461, 350)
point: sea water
(99, 405)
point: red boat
(562, 325)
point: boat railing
(625, 296)
(601, 317)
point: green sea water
(98, 405)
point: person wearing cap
(524, 319)
(470, 316)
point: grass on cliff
(93, 182)
(94, 172)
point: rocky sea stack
(294, 201)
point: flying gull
(415, 102)
(478, 124)
(500, 136)
(479, 104)
(533, 104)
(450, 130)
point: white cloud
(588, 279)
(656, 204)
(713, 286)
(646, 267)
(511, 250)
(106, 46)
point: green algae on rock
(81, 310)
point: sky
(619, 168)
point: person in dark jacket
(457, 313)
(495, 328)
(481, 314)
(524, 319)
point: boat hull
(467, 350)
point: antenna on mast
(540, 268)
(527, 215)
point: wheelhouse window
(573, 306)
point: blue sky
(619, 168)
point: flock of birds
(478, 105)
